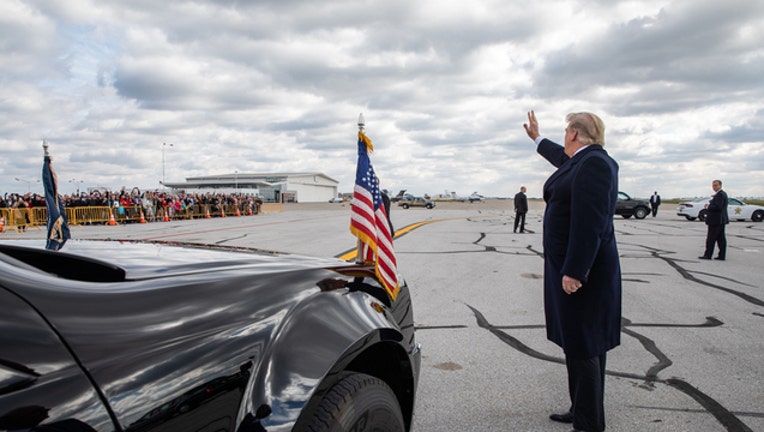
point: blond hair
(591, 129)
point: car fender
(41, 385)
(320, 336)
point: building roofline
(257, 175)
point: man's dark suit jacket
(716, 212)
(579, 241)
(521, 203)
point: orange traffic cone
(112, 222)
(207, 214)
(2, 223)
(166, 217)
(143, 219)
(238, 213)
(249, 212)
(222, 211)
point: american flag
(368, 220)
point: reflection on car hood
(144, 260)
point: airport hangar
(271, 187)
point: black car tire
(626, 216)
(405, 206)
(702, 215)
(358, 403)
(640, 212)
(757, 216)
(429, 206)
(690, 218)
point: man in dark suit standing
(582, 272)
(655, 202)
(521, 208)
(716, 219)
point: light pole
(163, 164)
(236, 181)
(78, 182)
(28, 182)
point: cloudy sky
(444, 85)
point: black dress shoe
(719, 258)
(562, 418)
(704, 257)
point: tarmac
(692, 351)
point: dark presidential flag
(58, 229)
(368, 221)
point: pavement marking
(349, 254)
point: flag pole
(359, 244)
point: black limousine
(135, 336)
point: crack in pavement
(724, 416)
(657, 253)
(650, 377)
(689, 276)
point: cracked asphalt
(692, 350)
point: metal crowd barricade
(20, 219)
(10, 218)
(87, 215)
(196, 211)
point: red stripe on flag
(369, 222)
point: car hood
(123, 260)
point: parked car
(736, 210)
(416, 202)
(402, 195)
(132, 336)
(336, 200)
(627, 206)
(476, 197)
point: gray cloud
(278, 85)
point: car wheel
(690, 218)
(626, 216)
(358, 403)
(757, 216)
(702, 215)
(429, 206)
(405, 206)
(640, 212)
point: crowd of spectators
(153, 203)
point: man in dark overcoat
(582, 273)
(655, 202)
(521, 208)
(717, 219)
